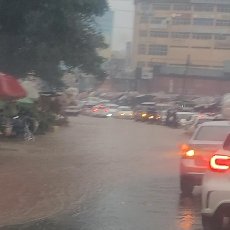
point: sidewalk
(34, 182)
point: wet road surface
(97, 174)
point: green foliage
(35, 35)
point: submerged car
(124, 112)
(183, 117)
(72, 110)
(190, 127)
(112, 109)
(145, 111)
(100, 111)
(195, 155)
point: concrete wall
(174, 84)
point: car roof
(216, 123)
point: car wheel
(212, 223)
(186, 185)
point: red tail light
(220, 163)
(95, 110)
(106, 110)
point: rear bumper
(190, 170)
(215, 194)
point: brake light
(95, 110)
(187, 151)
(106, 110)
(220, 163)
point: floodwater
(96, 174)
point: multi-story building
(181, 33)
(105, 26)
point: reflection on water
(189, 213)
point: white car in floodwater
(124, 112)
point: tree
(35, 35)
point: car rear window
(212, 133)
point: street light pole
(184, 88)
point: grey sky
(123, 22)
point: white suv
(216, 189)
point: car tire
(186, 185)
(212, 223)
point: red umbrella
(10, 88)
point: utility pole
(138, 74)
(184, 88)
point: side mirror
(226, 145)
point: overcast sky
(123, 22)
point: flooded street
(96, 174)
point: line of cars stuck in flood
(145, 112)
(204, 159)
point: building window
(140, 64)
(184, 7)
(142, 49)
(161, 50)
(159, 34)
(150, 64)
(221, 36)
(144, 19)
(181, 21)
(180, 35)
(161, 6)
(203, 21)
(144, 6)
(203, 7)
(223, 22)
(158, 20)
(202, 36)
(143, 33)
(223, 8)
(154, 64)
